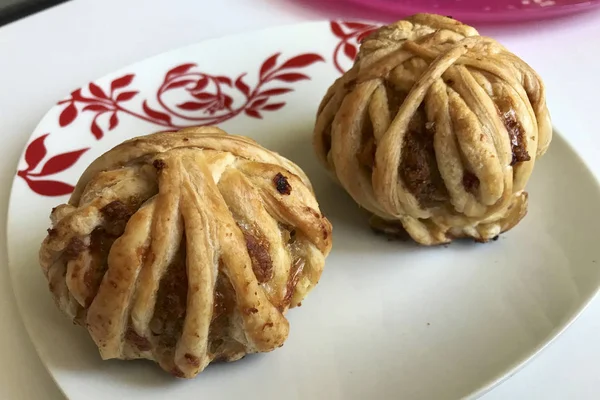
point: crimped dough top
(185, 247)
(435, 123)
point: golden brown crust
(175, 247)
(435, 127)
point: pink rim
(497, 11)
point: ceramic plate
(388, 319)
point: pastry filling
(295, 273)
(517, 141)
(262, 265)
(224, 304)
(100, 243)
(141, 343)
(470, 182)
(171, 301)
(515, 132)
(418, 166)
(258, 250)
(73, 249)
(395, 98)
(294, 244)
(366, 155)
(116, 214)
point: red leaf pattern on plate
(155, 114)
(291, 77)
(114, 121)
(253, 113)
(269, 64)
(121, 82)
(227, 102)
(126, 96)
(351, 35)
(357, 25)
(273, 107)
(67, 115)
(204, 96)
(181, 69)
(275, 92)
(212, 96)
(258, 103)
(98, 103)
(192, 105)
(96, 130)
(239, 83)
(212, 100)
(337, 30)
(34, 154)
(97, 91)
(61, 162)
(223, 79)
(95, 107)
(179, 84)
(303, 60)
(201, 84)
(49, 188)
(350, 51)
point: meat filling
(258, 249)
(171, 301)
(418, 167)
(516, 135)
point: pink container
(482, 10)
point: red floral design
(209, 102)
(34, 154)
(351, 35)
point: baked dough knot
(186, 247)
(435, 130)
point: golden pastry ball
(186, 247)
(435, 130)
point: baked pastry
(186, 247)
(435, 130)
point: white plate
(388, 319)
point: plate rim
(523, 15)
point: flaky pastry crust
(186, 247)
(435, 129)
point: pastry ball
(435, 130)
(186, 247)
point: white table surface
(45, 56)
